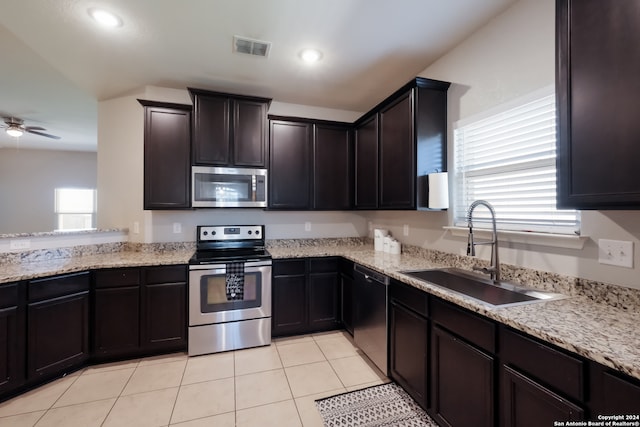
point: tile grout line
(120, 394)
(293, 398)
(175, 401)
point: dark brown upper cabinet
(598, 90)
(332, 170)
(398, 144)
(229, 130)
(167, 162)
(366, 163)
(309, 164)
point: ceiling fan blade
(42, 134)
(30, 128)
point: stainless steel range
(229, 290)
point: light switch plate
(307, 226)
(405, 230)
(615, 252)
(177, 227)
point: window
(75, 208)
(508, 158)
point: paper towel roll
(439, 190)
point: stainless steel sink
(498, 294)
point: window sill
(531, 238)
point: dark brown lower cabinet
(305, 296)
(346, 294)
(139, 311)
(12, 336)
(164, 310)
(57, 324)
(525, 403)
(462, 379)
(613, 393)
(116, 317)
(409, 346)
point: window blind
(508, 158)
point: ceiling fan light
(104, 18)
(14, 131)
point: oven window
(215, 296)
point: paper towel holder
(438, 191)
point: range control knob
(257, 231)
(250, 233)
(205, 233)
(213, 233)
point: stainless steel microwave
(214, 187)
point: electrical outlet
(177, 228)
(615, 252)
(20, 244)
(405, 229)
(307, 226)
(136, 227)
(370, 225)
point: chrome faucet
(494, 270)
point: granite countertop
(595, 330)
(49, 267)
(591, 329)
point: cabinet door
(323, 299)
(526, 403)
(12, 336)
(211, 136)
(289, 315)
(164, 316)
(289, 165)
(598, 92)
(366, 164)
(167, 163)
(613, 393)
(332, 181)
(249, 133)
(462, 382)
(347, 288)
(116, 321)
(57, 334)
(409, 339)
(397, 154)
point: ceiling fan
(15, 127)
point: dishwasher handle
(371, 275)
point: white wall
(512, 56)
(28, 179)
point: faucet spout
(494, 270)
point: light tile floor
(264, 386)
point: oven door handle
(216, 266)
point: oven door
(210, 301)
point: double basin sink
(498, 294)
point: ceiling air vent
(251, 46)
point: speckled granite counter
(595, 330)
(604, 332)
(48, 267)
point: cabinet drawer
(8, 295)
(410, 297)
(117, 277)
(52, 287)
(552, 367)
(323, 265)
(289, 267)
(165, 274)
(472, 327)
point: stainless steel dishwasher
(370, 323)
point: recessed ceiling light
(311, 55)
(104, 18)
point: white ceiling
(57, 64)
